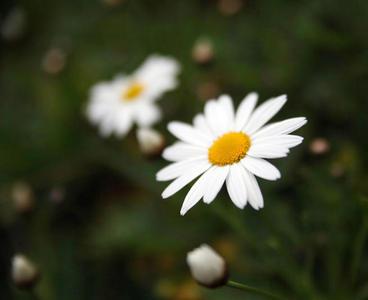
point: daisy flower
(228, 147)
(116, 105)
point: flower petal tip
(159, 177)
(282, 98)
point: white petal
(261, 168)
(287, 141)
(182, 151)
(146, 114)
(157, 74)
(282, 127)
(118, 122)
(189, 134)
(245, 109)
(218, 176)
(200, 123)
(227, 111)
(179, 168)
(267, 151)
(183, 180)
(157, 66)
(121, 128)
(106, 126)
(255, 197)
(214, 117)
(195, 193)
(98, 108)
(236, 186)
(264, 113)
(158, 86)
(122, 118)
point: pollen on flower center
(132, 92)
(229, 148)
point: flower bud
(13, 25)
(203, 52)
(23, 198)
(151, 142)
(208, 268)
(229, 7)
(24, 273)
(337, 169)
(319, 146)
(57, 194)
(54, 61)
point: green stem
(251, 289)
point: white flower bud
(151, 142)
(208, 268)
(24, 273)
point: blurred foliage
(99, 229)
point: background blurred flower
(229, 7)
(227, 146)
(337, 169)
(203, 52)
(23, 197)
(57, 194)
(24, 273)
(54, 61)
(116, 105)
(14, 24)
(319, 146)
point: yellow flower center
(229, 148)
(132, 92)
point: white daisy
(229, 147)
(116, 105)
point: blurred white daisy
(116, 105)
(224, 146)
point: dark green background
(112, 236)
